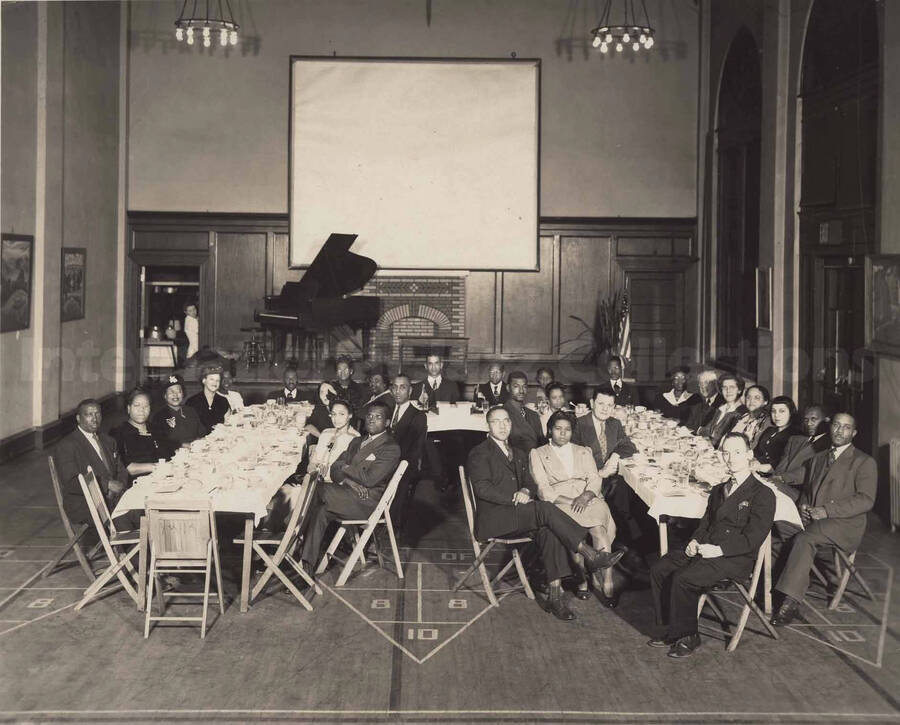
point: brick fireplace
(416, 306)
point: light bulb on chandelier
(621, 24)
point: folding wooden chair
(109, 542)
(284, 549)
(763, 561)
(182, 541)
(381, 515)
(75, 533)
(481, 554)
(844, 568)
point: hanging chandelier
(206, 23)
(629, 32)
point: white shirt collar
(434, 382)
(840, 449)
(290, 393)
(614, 383)
(502, 445)
(599, 425)
(670, 396)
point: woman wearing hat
(175, 425)
(209, 405)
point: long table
(239, 466)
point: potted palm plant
(595, 343)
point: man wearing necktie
(789, 472)
(527, 432)
(739, 516)
(624, 392)
(507, 506)
(83, 447)
(494, 391)
(444, 452)
(838, 491)
(359, 475)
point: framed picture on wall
(16, 262)
(883, 303)
(764, 298)
(71, 298)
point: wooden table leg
(142, 565)
(767, 576)
(245, 569)
(663, 535)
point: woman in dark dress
(138, 447)
(773, 440)
(678, 403)
(176, 425)
(210, 407)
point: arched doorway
(839, 124)
(738, 133)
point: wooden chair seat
(122, 538)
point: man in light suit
(839, 490)
(495, 391)
(83, 447)
(360, 476)
(739, 515)
(606, 438)
(789, 473)
(505, 494)
(527, 431)
(409, 425)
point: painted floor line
(37, 619)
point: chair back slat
(389, 492)
(468, 499)
(96, 496)
(298, 514)
(57, 494)
(179, 530)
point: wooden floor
(384, 650)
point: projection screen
(433, 163)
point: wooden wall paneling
(181, 240)
(481, 295)
(240, 284)
(281, 273)
(584, 276)
(528, 308)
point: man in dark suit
(409, 426)
(360, 476)
(436, 385)
(444, 452)
(527, 431)
(507, 507)
(606, 438)
(290, 391)
(711, 398)
(83, 447)
(739, 516)
(495, 391)
(625, 393)
(789, 473)
(839, 490)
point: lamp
(627, 33)
(184, 26)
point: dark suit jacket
(448, 392)
(370, 466)
(627, 395)
(494, 480)
(527, 433)
(683, 412)
(740, 523)
(702, 409)
(616, 440)
(279, 393)
(72, 456)
(409, 432)
(488, 392)
(791, 465)
(714, 429)
(846, 490)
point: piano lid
(334, 272)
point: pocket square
(370, 457)
(743, 504)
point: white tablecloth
(239, 466)
(456, 417)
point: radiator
(895, 483)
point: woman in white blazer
(566, 475)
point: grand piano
(320, 303)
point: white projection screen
(433, 163)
